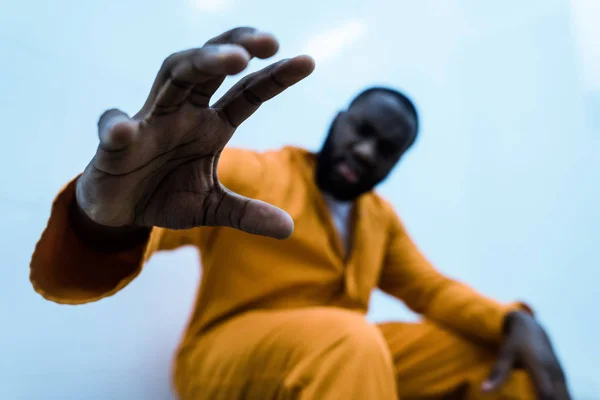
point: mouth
(347, 172)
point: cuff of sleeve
(519, 306)
(66, 271)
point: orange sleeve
(241, 170)
(65, 270)
(410, 277)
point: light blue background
(501, 190)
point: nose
(365, 152)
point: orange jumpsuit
(286, 319)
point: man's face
(363, 145)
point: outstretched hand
(159, 167)
(527, 345)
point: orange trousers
(336, 354)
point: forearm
(465, 310)
(454, 305)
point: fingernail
(227, 48)
(262, 33)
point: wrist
(102, 237)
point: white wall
(501, 190)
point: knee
(348, 359)
(353, 334)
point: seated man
(280, 318)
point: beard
(327, 178)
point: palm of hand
(159, 168)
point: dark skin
(527, 345)
(159, 167)
(364, 144)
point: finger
(540, 367)
(542, 383)
(116, 130)
(561, 390)
(500, 371)
(257, 217)
(253, 216)
(560, 383)
(254, 42)
(196, 67)
(244, 98)
(258, 44)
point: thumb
(252, 216)
(115, 130)
(501, 370)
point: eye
(365, 129)
(387, 149)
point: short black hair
(401, 97)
